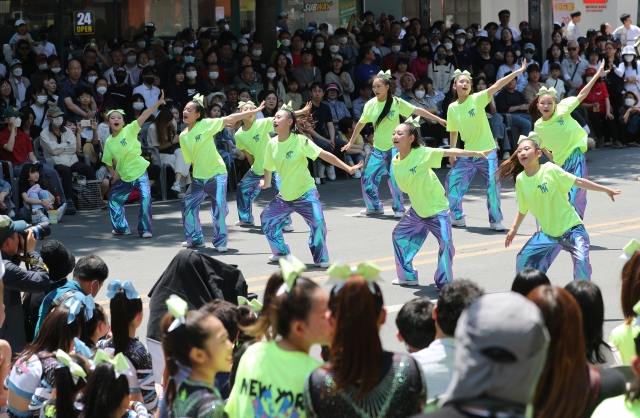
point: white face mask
(448, 45)
(286, 42)
(376, 50)
(256, 52)
(191, 74)
(271, 76)
(101, 89)
(131, 59)
(138, 106)
(343, 41)
(589, 79)
(152, 63)
(629, 102)
(528, 56)
(189, 59)
(17, 122)
(43, 67)
(213, 75)
(459, 41)
(17, 72)
(246, 36)
(419, 94)
(628, 58)
(58, 121)
(141, 44)
(56, 70)
(243, 48)
(395, 48)
(307, 45)
(319, 45)
(226, 27)
(92, 79)
(42, 99)
(334, 48)
(178, 50)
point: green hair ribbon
(240, 104)
(178, 307)
(630, 249)
(287, 106)
(116, 110)
(255, 304)
(291, 268)
(199, 98)
(385, 74)
(77, 372)
(552, 91)
(457, 73)
(414, 121)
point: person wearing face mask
(19, 84)
(89, 61)
(223, 25)
(89, 275)
(285, 46)
(40, 106)
(191, 80)
(54, 67)
(349, 52)
(149, 32)
(258, 61)
(420, 65)
(189, 55)
(43, 67)
(529, 52)
(272, 81)
(130, 58)
(463, 54)
(120, 91)
(139, 43)
(212, 81)
(147, 90)
(242, 47)
(627, 69)
(392, 57)
(629, 112)
(177, 48)
(440, 71)
(320, 53)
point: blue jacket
(45, 308)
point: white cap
(243, 41)
(20, 22)
(404, 19)
(482, 32)
(461, 32)
(530, 46)
(629, 50)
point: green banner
(347, 8)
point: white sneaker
(398, 214)
(187, 245)
(288, 228)
(357, 174)
(181, 195)
(276, 258)
(323, 265)
(317, 181)
(331, 172)
(221, 249)
(321, 171)
(371, 212)
(176, 187)
(61, 211)
(497, 146)
(496, 226)
(458, 222)
(240, 223)
(445, 145)
(400, 282)
(506, 155)
(114, 232)
(147, 235)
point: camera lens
(41, 232)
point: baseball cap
(158, 41)
(616, 40)
(8, 227)
(148, 69)
(120, 69)
(529, 45)
(150, 25)
(526, 31)
(127, 50)
(592, 51)
(337, 57)
(404, 19)
(54, 112)
(332, 86)
(283, 14)
(591, 32)
(20, 22)
(41, 57)
(482, 32)
(461, 32)
(14, 61)
(305, 51)
(223, 20)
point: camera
(40, 232)
(85, 123)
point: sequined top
(197, 400)
(401, 392)
(32, 378)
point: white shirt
(21, 90)
(111, 78)
(627, 36)
(151, 95)
(437, 363)
(571, 32)
(49, 49)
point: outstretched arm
(332, 159)
(237, 117)
(145, 115)
(514, 229)
(428, 115)
(595, 187)
(356, 132)
(498, 85)
(585, 91)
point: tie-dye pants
(118, 195)
(248, 190)
(216, 189)
(377, 164)
(577, 166)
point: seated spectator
(415, 323)
(437, 360)
(339, 76)
(406, 85)
(293, 96)
(436, 95)
(306, 74)
(117, 62)
(573, 68)
(19, 83)
(163, 135)
(101, 97)
(353, 379)
(355, 154)
(440, 71)
(27, 126)
(7, 98)
(513, 102)
(555, 54)
(509, 66)
(529, 50)
(227, 60)
(501, 346)
(484, 61)
(630, 119)
(18, 149)
(420, 65)
(367, 69)
(248, 81)
(507, 41)
(150, 92)
(338, 109)
(191, 80)
(555, 81)
(527, 280)
(271, 106)
(393, 56)
(176, 91)
(67, 101)
(51, 84)
(36, 195)
(566, 369)
(6, 203)
(258, 61)
(599, 109)
(533, 86)
(418, 98)
(62, 145)
(39, 108)
(119, 90)
(211, 82)
(402, 67)
(365, 96)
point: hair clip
(129, 291)
(414, 121)
(199, 98)
(385, 74)
(533, 136)
(75, 304)
(81, 348)
(287, 106)
(116, 110)
(457, 73)
(630, 249)
(341, 272)
(255, 304)
(76, 370)
(119, 362)
(551, 91)
(240, 104)
(291, 268)
(178, 307)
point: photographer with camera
(18, 243)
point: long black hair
(104, 392)
(387, 104)
(123, 312)
(66, 389)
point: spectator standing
(484, 62)
(628, 70)
(147, 90)
(338, 109)
(629, 111)
(572, 33)
(120, 91)
(323, 133)
(248, 81)
(359, 103)
(19, 83)
(24, 52)
(599, 109)
(21, 33)
(420, 65)
(463, 55)
(117, 62)
(627, 32)
(440, 71)
(573, 68)
(505, 17)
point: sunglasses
(572, 49)
(435, 32)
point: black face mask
(120, 78)
(149, 80)
(441, 55)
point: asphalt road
(480, 252)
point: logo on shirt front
(413, 170)
(561, 121)
(543, 187)
(256, 138)
(198, 137)
(472, 112)
(123, 142)
(289, 154)
(391, 114)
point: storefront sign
(562, 10)
(347, 9)
(318, 7)
(84, 23)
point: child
(70, 379)
(358, 104)
(95, 328)
(122, 152)
(296, 311)
(126, 317)
(356, 152)
(36, 196)
(592, 58)
(292, 95)
(244, 95)
(554, 81)
(416, 326)
(196, 347)
(542, 189)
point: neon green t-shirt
(545, 195)
(617, 407)
(384, 132)
(470, 120)
(126, 150)
(255, 142)
(270, 383)
(415, 177)
(622, 337)
(199, 148)
(289, 159)
(561, 134)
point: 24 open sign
(84, 23)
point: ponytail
(302, 123)
(89, 328)
(534, 113)
(123, 312)
(104, 392)
(66, 389)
